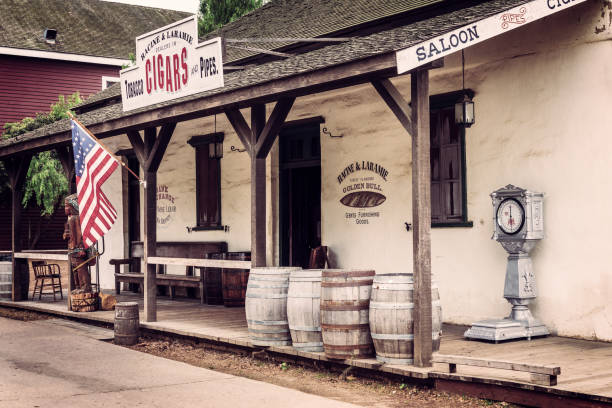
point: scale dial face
(510, 216)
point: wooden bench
(540, 374)
(166, 249)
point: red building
(57, 47)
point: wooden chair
(44, 272)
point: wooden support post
(17, 169)
(150, 153)
(66, 157)
(150, 242)
(421, 218)
(258, 140)
(258, 190)
(416, 122)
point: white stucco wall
(543, 103)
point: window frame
(107, 79)
(203, 142)
(444, 101)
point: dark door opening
(300, 193)
(133, 208)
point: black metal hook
(328, 133)
(235, 149)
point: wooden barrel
(127, 324)
(234, 281)
(6, 279)
(345, 303)
(266, 306)
(212, 281)
(392, 321)
(84, 302)
(303, 309)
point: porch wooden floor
(586, 366)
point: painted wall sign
(171, 64)
(166, 208)
(466, 36)
(362, 187)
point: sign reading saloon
(171, 64)
(466, 36)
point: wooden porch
(585, 380)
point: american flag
(93, 166)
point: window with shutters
(448, 193)
(208, 153)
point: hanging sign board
(466, 36)
(171, 64)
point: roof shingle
(85, 27)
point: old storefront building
(339, 173)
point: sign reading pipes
(171, 64)
(471, 34)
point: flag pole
(142, 182)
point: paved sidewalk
(49, 364)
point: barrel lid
(306, 272)
(341, 273)
(275, 270)
(126, 304)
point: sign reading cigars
(466, 36)
(171, 64)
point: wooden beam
(150, 133)
(242, 129)
(547, 369)
(421, 218)
(159, 148)
(325, 79)
(207, 263)
(17, 169)
(137, 146)
(273, 125)
(258, 190)
(66, 158)
(396, 102)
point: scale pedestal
(505, 329)
(520, 285)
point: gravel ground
(380, 393)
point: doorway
(300, 193)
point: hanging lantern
(215, 150)
(464, 109)
(464, 112)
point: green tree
(45, 181)
(216, 13)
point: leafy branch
(45, 181)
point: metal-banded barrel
(266, 306)
(6, 279)
(127, 324)
(392, 319)
(235, 281)
(303, 309)
(345, 302)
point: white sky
(190, 6)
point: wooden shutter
(208, 179)
(447, 178)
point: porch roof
(334, 66)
